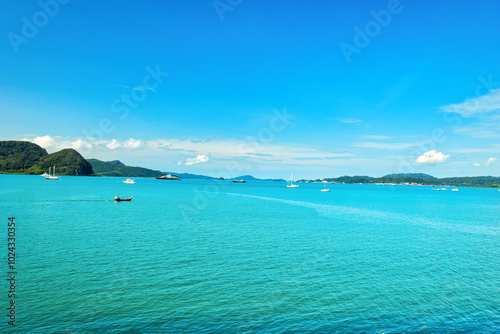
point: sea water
(197, 256)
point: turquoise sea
(196, 256)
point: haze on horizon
(321, 88)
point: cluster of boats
(292, 185)
(439, 189)
(174, 177)
(132, 181)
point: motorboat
(129, 181)
(121, 199)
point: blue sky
(230, 87)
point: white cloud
(198, 159)
(488, 130)
(476, 106)
(133, 144)
(493, 148)
(487, 163)
(375, 137)
(81, 144)
(113, 145)
(249, 152)
(143, 88)
(86, 144)
(385, 146)
(349, 120)
(129, 144)
(485, 109)
(140, 88)
(45, 141)
(432, 158)
(490, 161)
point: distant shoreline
(402, 184)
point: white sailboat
(325, 189)
(291, 185)
(53, 176)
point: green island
(23, 157)
(416, 179)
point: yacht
(53, 176)
(129, 181)
(325, 189)
(291, 185)
(168, 177)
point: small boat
(53, 176)
(454, 189)
(129, 181)
(239, 181)
(325, 189)
(443, 188)
(168, 177)
(436, 189)
(291, 185)
(121, 199)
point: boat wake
(336, 211)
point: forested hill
(117, 168)
(67, 162)
(16, 156)
(23, 157)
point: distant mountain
(347, 179)
(245, 177)
(117, 168)
(192, 176)
(251, 178)
(23, 157)
(116, 162)
(418, 178)
(411, 175)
